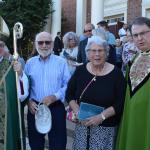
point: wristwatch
(103, 117)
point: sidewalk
(70, 132)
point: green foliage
(32, 14)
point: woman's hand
(98, 119)
(74, 106)
(95, 120)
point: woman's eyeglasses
(71, 39)
(96, 50)
(42, 42)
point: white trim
(80, 15)
(56, 18)
(97, 7)
(145, 6)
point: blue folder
(88, 110)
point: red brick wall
(134, 10)
(68, 15)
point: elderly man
(9, 123)
(82, 58)
(49, 75)
(134, 131)
(5, 60)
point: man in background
(110, 36)
(58, 44)
(123, 31)
(81, 58)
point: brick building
(113, 11)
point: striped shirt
(47, 77)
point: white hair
(71, 35)
(37, 37)
(99, 41)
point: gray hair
(100, 32)
(99, 41)
(70, 35)
(38, 36)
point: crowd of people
(96, 68)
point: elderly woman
(111, 58)
(70, 50)
(100, 83)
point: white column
(48, 24)
(80, 15)
(56, 18)
(97, 11)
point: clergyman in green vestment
(134, 131)
(9, 122)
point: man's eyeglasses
(42, 42)
(85, 31)
(141, 34)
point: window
(148, 13)
(114, 19)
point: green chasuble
(9, 123)
(134, 131)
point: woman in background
(70, 50)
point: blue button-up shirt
(47, 77)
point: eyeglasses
(71, 39)
(96, 50)
(42, 42)
(85, 31)
(141, 34)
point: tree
(32, 14)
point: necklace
(96, 73)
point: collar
(41, 59)
(1, 58)
(145, 52)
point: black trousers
(57, 135)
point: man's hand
(32, 106)
(17, 67)
(49, 100)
